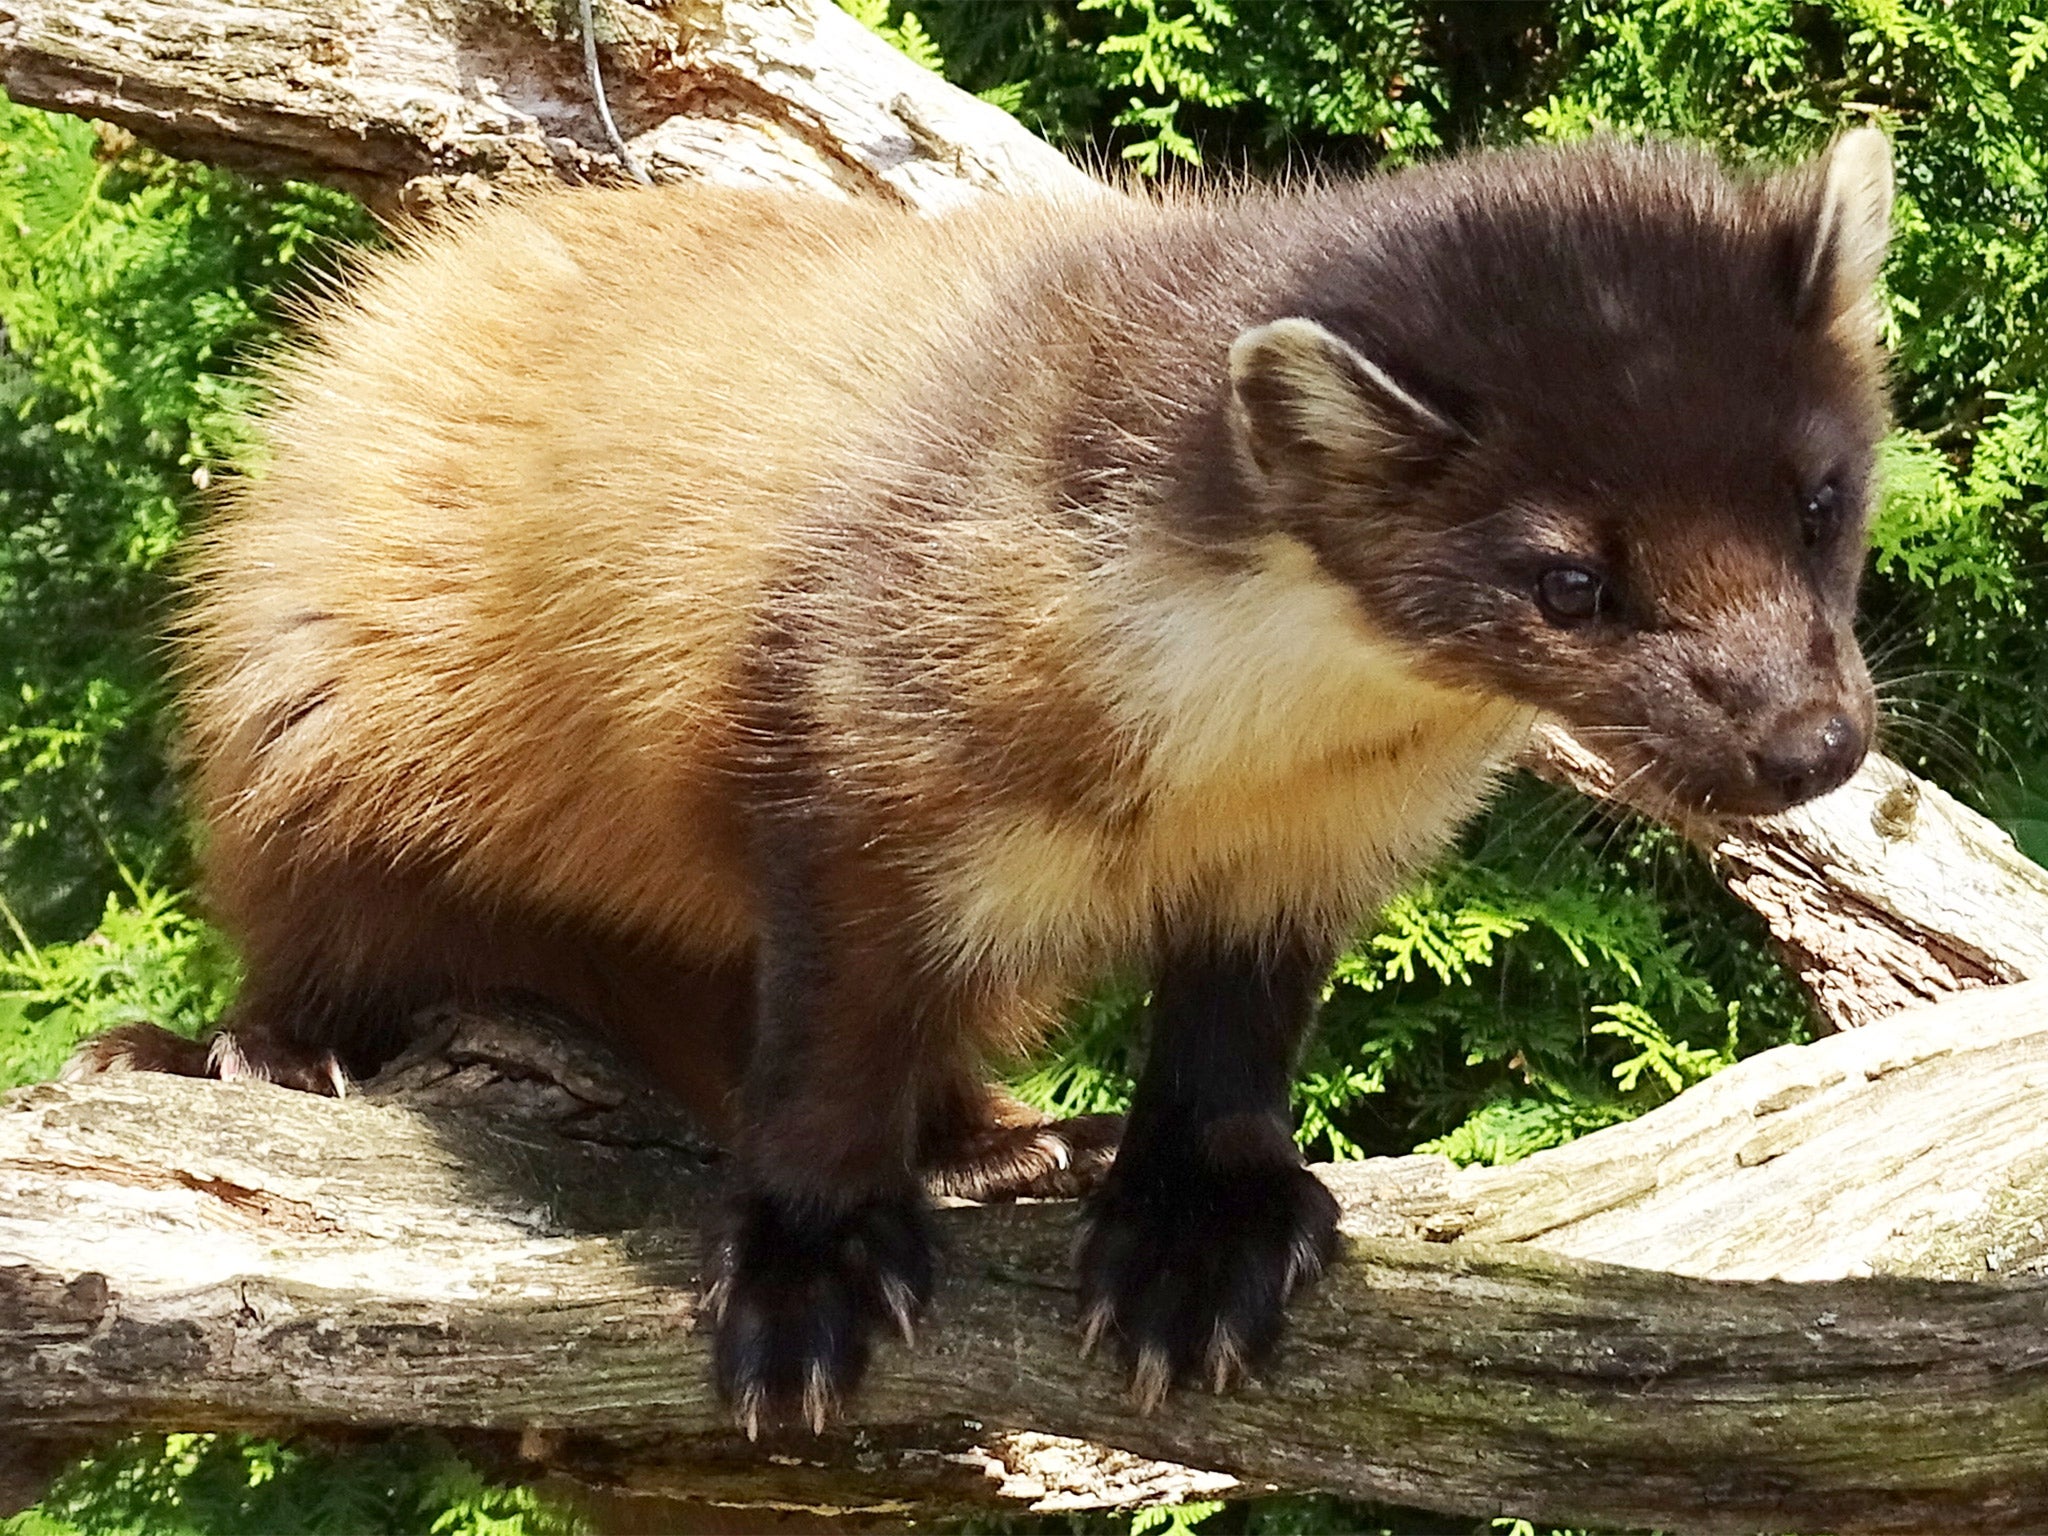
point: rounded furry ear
(1305, 399)
(1851, 227)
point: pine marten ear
(1306, 402)
(1850, 227)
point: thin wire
(604, 110)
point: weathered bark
(182, 1254)
(404, 100)
(1887, 893)
(1915, 1148)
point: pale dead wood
(1914, 1147)
(396, 98)
(1887, 893)
(197, 1255)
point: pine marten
(813, 641)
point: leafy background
(1563, 970)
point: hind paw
(1047, 1160)
(224, 1054)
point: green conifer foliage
(1563, 970)
(135, 291)
(240, 1485)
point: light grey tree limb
(189, 1255)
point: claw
(1226, 1359)
(1030, 1159)
(1304, 1264)
(796, 1302)
(1151, 1379)
(819, 1398)
(226, 1060)
(746, 1412)
(1057, 1151)
(1093, 1325)
(716, 1296)
(1191, 1275)
(901, 1304)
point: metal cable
(604, 110)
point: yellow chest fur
(1286, 766)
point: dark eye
(1571, 594)
(1819, 510)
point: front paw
(1189, 1269)
(799, 1296)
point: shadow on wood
(190, 1254)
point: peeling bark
(1887, 893)
(188, 1254)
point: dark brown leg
(1208, 1222)
(829, 1242)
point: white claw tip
(1093, 1325)
(1225, 1359)
(1150, 1380)
(748, 1413)
(715, 1298)
(902, 1308)
(819, 1398)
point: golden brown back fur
(466, 661)
(481, 611)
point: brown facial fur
(1622, 362)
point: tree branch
(1887, 893)
(185, 1254)
(408, 103)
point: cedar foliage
(238, 1485)
(1562, 971)
(134, 291)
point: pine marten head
(1594, 429)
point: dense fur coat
(813, 641)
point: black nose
(1808, 758)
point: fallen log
(187, 1254)
(409, 104)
